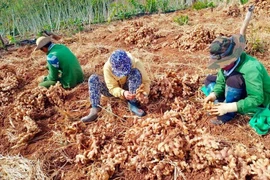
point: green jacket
(63, 66)
(257, 82)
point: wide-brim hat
(42, 41)
(226, 55)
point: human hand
(223, 108)
(249, 13)
(128, 95)
(210, 98)
(251, 8)
(247, 19)
(41, 78)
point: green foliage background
(25, 18)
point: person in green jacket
(62, 64)
(241, 85)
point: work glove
(210, 98)
(223, 108)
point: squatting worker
(123, 75)
(242, 83)
(62, 64)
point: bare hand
(246, 21)
(251, 8)
(129, 96)
(210, 98)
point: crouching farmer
(241, 85)
(123, 75)
(62, 64)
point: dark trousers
(97, 86)
(235, 89)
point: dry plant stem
(111, 113)
(176, 171)
(56, 172)
(202, 71)
(66, 114)
(11, 123)
(17, 167)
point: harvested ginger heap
(208, 106)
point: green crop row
(25, 18)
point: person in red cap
(123, 75)
(62, 64)
(242, 83)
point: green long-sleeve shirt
(257, 82)
(63, 66)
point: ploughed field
(41, 132)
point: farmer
(62, 64)
(242, 84)
(123, 74)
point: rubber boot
(134, 108)
(92, 115)
(231, 95)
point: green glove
(47, 84)
(260, 122)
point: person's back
(62, 64)
(71, 72)
(255, 73)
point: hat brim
(240, 45)
(43, 42)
